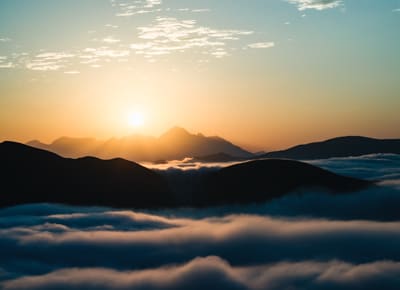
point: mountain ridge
(343, 146)
(175, 144)
(31, 175)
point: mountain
(338, 147)
(263, 180)
(30, 175)
(176, 143)
(70, 147)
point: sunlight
(136, 119)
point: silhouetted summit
(338, 147)
(176, 143)
(30, 175)
(175, 133)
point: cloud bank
(215, 273)
(35, 243)
(304, 241)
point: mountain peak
(175, 132)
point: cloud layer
(304, 241)
(215, 273)
(34, 243)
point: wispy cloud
(5, 62)
(316, 4)
(104, 52)
(111, 26)
(111, 39)
(49, 61)
(167, 35)
(127, 8)
(262, 45)
(201, 10)
(158, 36)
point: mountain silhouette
(262, 180)
(338, 147)
(175, 144)
(31, 175)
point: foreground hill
(338, 147)
(261, 180)
(177, 143)
(30, 175)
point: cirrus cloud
(262, 45)
(169, 34)
(316, 4)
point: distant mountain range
(175, 144)
(31, 175)
(338, 147)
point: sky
(265, 74)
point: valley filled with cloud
(308, 240)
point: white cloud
(111, 39)
(201, 10)
(169, 34)
(316, 4)
(111, 26)
(54, 55)
(49, 61)
(5, 62)
(162, 36)
(262, 45)
(43, 66)
(107, 52)
(6, 65)
(126, 8)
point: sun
(136, 119)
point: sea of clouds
(308, 240)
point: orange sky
(299, 75)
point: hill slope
(30, 175)
(262, 180)
(338, 147)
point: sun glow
(136, 119)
